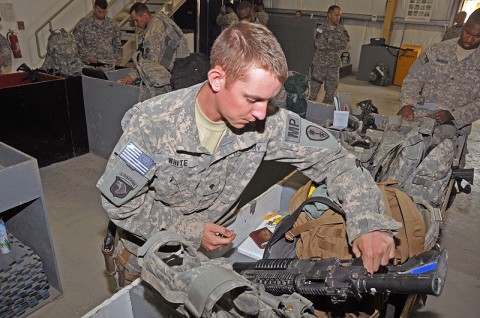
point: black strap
(288, 221)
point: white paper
(340, 119)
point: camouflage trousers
(319, 74)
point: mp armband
(131, 171)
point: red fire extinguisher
(14, 45)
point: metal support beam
(389, 16)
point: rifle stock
(421, 274)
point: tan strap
(413, 223)
(401, 246)
(299, 197)
(122, 260)
(411, 237)
(323, 220)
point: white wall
(34, 13)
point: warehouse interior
(74, 214)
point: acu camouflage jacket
(176, 184)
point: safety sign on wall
(419, 10)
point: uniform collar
(188, 139)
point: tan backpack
(326, 237)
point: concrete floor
(78, 222)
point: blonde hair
(243, 46)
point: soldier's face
(141, 20)
(470, 38)
(100, 13)
(245, 15)
(334, 17)
(245, 100)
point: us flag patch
(136, 159)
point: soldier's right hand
(406, 112)
(127, 80)
(216, 236)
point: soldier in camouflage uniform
(246, 12)
(329, 40)
(98, 38)
(5, 55)
(446, 74)
(161, 40)
(185, 157)
(227, 16)
(456, 29)
(260, 13)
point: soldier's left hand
(376, 248)
(93, 59)
(443, 116)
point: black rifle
(465, 174)
(32, 75)
(422, 274)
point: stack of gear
(296, 87)
(23, 282)
(155, 78)
(380, 75)
(190, 70)
(62, 54)
(418, 154)
(200, 287)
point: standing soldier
(227, 16)
(161, 40)
(329, 40)
(98, 38)
(260, 13)
(446, 75)
(455, 30)
(5, 55)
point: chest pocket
(174, 187)
(239, 169)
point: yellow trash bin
(405, 59)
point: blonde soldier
(98, 38)
(329, 40)
(447, 75)
(185, 157)
(161, 40)
(227, 16)
(5, 55)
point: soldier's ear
(216, 78)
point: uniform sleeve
(413, 82)
(222, 20)
(78, 33)
(154, 42)
(5, 52)
(320, 38)
(117, 43)
(320, 157)
(467, 114)
(144, 214)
